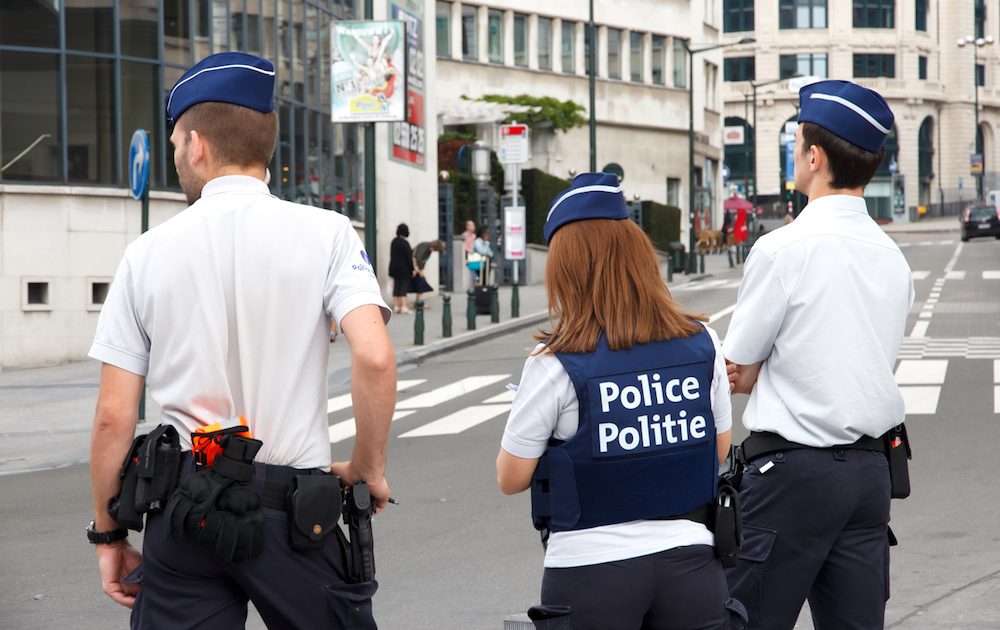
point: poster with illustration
(369, 71)
(409, 137)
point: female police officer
(621, 418)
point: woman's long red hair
(603, 275)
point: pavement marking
(346, 429)
(920, 400)
(344, 400)
(955, 275)
(926, 372)
(920, 275)
(919, 330)
(991, 275)
(506, 397)
(449, 391)
(459, 421)
(726, 311)
(996, 388)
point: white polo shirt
(546, 406)
(823, 303)
(226, 310)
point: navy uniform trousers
(185, 585)
(815, 526)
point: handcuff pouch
(314, 506)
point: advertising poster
(369, 71)
(409, 138)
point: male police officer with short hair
(818, 324)
(225, 309)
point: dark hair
(850, 165)
(402, 230)
(239, 136)
(481, 231)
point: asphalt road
(458, 554)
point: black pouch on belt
(728, 525)
(897, 451)
(148, 476)
(313, 510)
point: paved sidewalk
(936, 224)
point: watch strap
(103, 538)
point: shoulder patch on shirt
(366, 264)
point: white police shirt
(546, 406)
(823, 303)
(226, 309)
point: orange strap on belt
(207, 441)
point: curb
(418, 354)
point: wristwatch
(103, 538)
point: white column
(456, 30)
(578, 52)
(508, 38)
(647, 58)
(602, 52)
(625, 54)
(531, 37)
(557, 45)
(483, 34)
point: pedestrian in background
(469, 235)
(421, 253)
(625, 549)
(224, 310)
(481, 248)
(814, 338)
(400, 268)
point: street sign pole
(138, 183)
(514, 148)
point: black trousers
(682, 589)
(185, 585)
(815, 525)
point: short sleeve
(545, 406)
(760, 309)
(722, 407)
(121, 340)
(351, 281)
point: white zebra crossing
(452, 390)
(344, 400)
(920, 383)
(459, 421)
(996, 386)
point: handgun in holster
(728, 513)
(359, 552)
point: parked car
(980, 220)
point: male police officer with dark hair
(225, 309)
(813, 340)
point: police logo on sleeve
(645, 412)
(366, 264)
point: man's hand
(116, 560)
(378, 487)
(742, 378)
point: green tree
(548, 111)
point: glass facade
(545, 43)
(567, 46)
(659, 59)
(78, 77)
(635, 58)
(614, 53)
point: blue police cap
(230, 77)
(847, 110)
(591, 196)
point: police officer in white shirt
(818, 324)
(225, 310)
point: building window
(673, 191)
(802, 14)
(980, 18)
(567, 46)
(545, 43)
(680, 64)
(805, 65)
(738, 15)
(495, 40)
(443, 29)
(874, 13)
(980, 74)
(739, 69)
(614, 53)
(921, 7)
(659, 59)
(635, 56)
(469, 52)
(711, 78)
(98, 292)
(521, 40)
(868, 66)
(922, 67)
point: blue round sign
(138, 164)
(725, 172)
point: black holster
(897, 452)
(313, 510)
(359, 552)
(148, 476)
(728, 525)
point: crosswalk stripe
(506, 397)
(991, 275)
(996, 388)
(920, 275)
(449, 391)
(920, 400)
(344, 400)
(955, 275)
(459, 421)
(921, 372)
(919, 330)
(346, 429)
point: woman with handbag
(618, 427)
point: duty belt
(761, 443)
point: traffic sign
(725, 172)
(893, 167)
(514, 144)
(138, 161)
(515, 239)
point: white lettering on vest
(683, 424)
(623, 438)
(609, 431)
(671, 384)
(630, 397)
(689, 384)
(644, 379)
(609, 392)
(698, 427)
(644, 421)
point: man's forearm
(373, 391)
(114, 430)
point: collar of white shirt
(826, 203)
(234, 183)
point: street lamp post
(591, 57)
(692, 262)
(979, 42)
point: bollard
(446, 316)
(494, 304)
(729, 253)
(738, 252)
(515, 303)
(418, 324)
(701, 262)
(470, 313)
(670, 270)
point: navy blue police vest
(645, 447)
